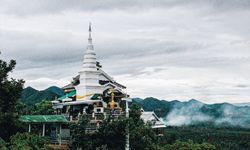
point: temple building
(93, 93)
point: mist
(195, 113)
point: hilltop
(31, 96)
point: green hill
(31, 96)
(193, 112)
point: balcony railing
(95, 116)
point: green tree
(80, 139)
(142, 135)
(43, 108)
(112, 134)
(21, 108)
(23, 141)
(189, 145)
(135, 114)
(2, 144)
(10, 92)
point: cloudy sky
(172, 49)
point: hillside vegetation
(31, 96)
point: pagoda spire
(89, 74)
(89, 59)
(90, 38)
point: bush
(23, 141)
(2, 144)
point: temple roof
(71, 94)
(109, 78)
(151, 117)
(80, 102)
(43, 119)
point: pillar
(60, 137)
(127, 146)
(43, 129)
(105, 115)
(29, 128)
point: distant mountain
(56, 90)
(31, 96)
(242, 104)
(178, 113)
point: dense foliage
(3, 144)
(10, 92)
(112, 133)
(23, 141)
(80, 139)
(189, 145)
(222, 138)
(43, 108)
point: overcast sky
(173, 49)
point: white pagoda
(94, 92)
(89, 74)
(91, 87)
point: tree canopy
(23, 141)
(10, 92)
(112, 133)
(190, 145)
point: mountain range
(193, 112)
(31, 96)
